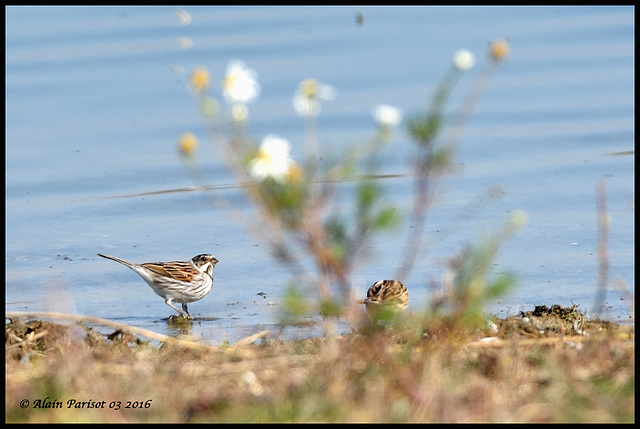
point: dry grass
(549, 365)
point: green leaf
(368, 192)
(441, 158)
(500, 286)
(295, 304)
(329, 308)
(386, 218)
(425, 129)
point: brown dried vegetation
(546, 365)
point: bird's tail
(114, 258)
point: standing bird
(386, 298)
(182, 282)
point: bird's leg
(168, 302)
(186, 310)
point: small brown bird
(386, 296)
(182, 282)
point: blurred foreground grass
(546, 365)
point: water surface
(96, 98)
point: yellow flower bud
(188, 143)
(200, 79)
(499, 49)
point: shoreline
(550, 364)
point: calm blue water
(96, 98)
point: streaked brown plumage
(390, 295)
(182, 282)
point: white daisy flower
(463, 60)
(306, 100)
(240, 84)
(387, 116)
(273, 160)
